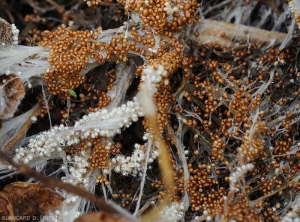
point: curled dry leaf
(6, 208)
(6, 35)
(27, 199)
(11, 93)
(101, 217)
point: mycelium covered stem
(228, 34)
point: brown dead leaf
(6, 208)
(101, 217)
(27, 199)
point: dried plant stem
(295, 9)
(227, 34)
(55, 5)
(149, 146)
(21, 133)
(147, 205)
(290, 183)
(181, 87)
(177, 140)
(165, 169)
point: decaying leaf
(101, 217)
(27, 199)
(12, 91)
(6, 208)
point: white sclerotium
(150, 77)
(78, 170)
(103, 122)
(133, 164)
(50, 144)
(239, 172)
(168, 8)
(295, 9)
(33, 119)
(174, 212)
(76, 174)
(291, 217)
(69, 210)
(109, 123)
(15, 33)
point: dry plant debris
(11, 93)
(20, 199)
(295, 9)
(175, 110)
